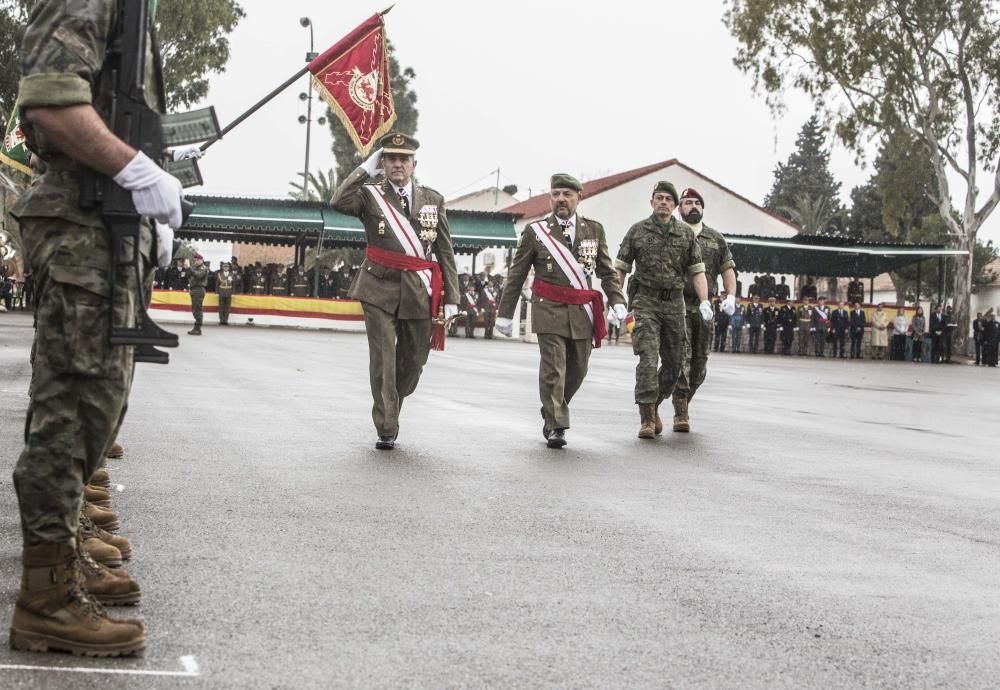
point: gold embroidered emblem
(381, 227)
(398, 140)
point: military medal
(428, 217)
(588, 255)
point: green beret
(397, 142)
(564, 181)
(664, 186)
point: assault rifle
(146, 130)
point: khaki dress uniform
(565, 332)
(396, 304)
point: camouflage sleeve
(726, 256)
(695, 262)
(63, 50)
(625, 253)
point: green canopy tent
(832, 257)
(303, 224)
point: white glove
(729, 305)
(373, 163)
(155, 192)
(450, 310)
(505, 327)
(183, 153)
(620, 312)
(706, 310)
(164, 244)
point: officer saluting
(565, 250)
(398, 285)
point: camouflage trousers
(659, 337)
(81, 382)
(197, 300)
(699, 344)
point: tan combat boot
(110, 587)
(54, 612)
(102, 517)
(681, 413)
(89, 530)
(105, 554)
(100, 478)
(97, 495)
(116, 450)
(647, 412)
(657, 422)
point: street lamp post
(307, 120)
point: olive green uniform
(565, 331)
(81, 382)
(197, 282)
(664, 254)
(225, 284)
(717, 258)
(396, 304)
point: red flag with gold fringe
(353, 78)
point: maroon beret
(692, 193)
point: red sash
(402, 262)
(568, 295)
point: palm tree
(321, 186)
(813, 216)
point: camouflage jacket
(717, 258)
(63, 54)
(198, 278)
(664, 254)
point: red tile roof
(538, 205)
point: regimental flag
(14, 151)
(353, 78)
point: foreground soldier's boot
(53, 611)
(102, 517)
(647, 412)
(97, 495)
(681, 413)
(110, 587)
(657, 422)
(88, 530)
(116, 450)
(100, 478)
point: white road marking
(189, 663)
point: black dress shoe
(385, 442)
(556, 438)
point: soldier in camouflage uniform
(718, 260)
(665, 253)
(197, 282)
(81, 381)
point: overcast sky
(530, 88)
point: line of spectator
(270, 279)
(813, 328)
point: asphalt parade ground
(827, 524)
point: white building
(618, 201)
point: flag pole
(262, 102)
(255, 107)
